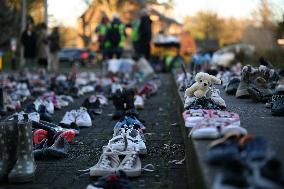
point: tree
(9, 22)
(205, 25)
(264, 14)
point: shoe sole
(242, 93)
(22, 179)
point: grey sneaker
(246, 77)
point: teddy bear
(202, 84)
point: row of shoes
(128, 141)
(262, 84)
(246, 161)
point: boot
(247, 76)
(259, 90)
(8, 146)
(118, 103)
(24, 169)
(129, 100)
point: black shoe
(44, 115)
(94, 108)
(129, 100)
(59, 149)
(118, 102)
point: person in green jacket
(101, 30)
(115, 38)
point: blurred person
(29, 40)
(145, 35)
(101, 30)
(115, 38)
(42, 46)
(135, 34)
(54, 47)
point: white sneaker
(131, 165)
(37, 103)
(215, 96)
(117, 143)
(49, 106)
(135, 141)
(69, 118)
(83, 118)
(34, 116)
(139, 102)
(108, 163)
(62, 102)
(87, 89)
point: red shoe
(69, 135)
(39, 135)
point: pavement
(164, 143)
(254, 117)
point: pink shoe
(193, 116)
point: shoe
(259, 90)
(118, 103)
(277, 105)
(118, 143)
(139, 102)
(194, 116)
(83, 118)
(39, 135)
(128, 122)
(44, 115)
(39, 149)
(234, 175)
(129, 101)
(49, 106)
(269, 175)
(102, 98)
(59, 149)
(246, 78)
(93, 107)
(24, 168)
(135, 141)
(280, 86)
(108, 163)
(214, 94)
(131, 165)
(68, 119)
(8, 147)
(223, 152)
(116, 180)
(232, 86)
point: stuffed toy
(202, 84)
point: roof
(163, 17)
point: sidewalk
(164, 144)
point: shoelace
(105, 163)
